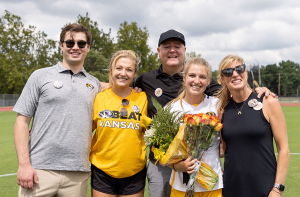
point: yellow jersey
(117, 147)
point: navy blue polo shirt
(151, 81)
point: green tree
(215, 75)
(101, 41)
(22, 50)
(132, 37)
(290, 77)
(191, 55)
(269, 77)
(102, 48)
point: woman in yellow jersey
(196, 76)
(117, 151)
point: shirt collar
(60, 68)
(160, 72)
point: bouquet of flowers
(164, 127)
(199, 132)
(166, 137)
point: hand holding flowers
(200, 131)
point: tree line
(23, 50)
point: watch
(279, 186)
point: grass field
(9, 163)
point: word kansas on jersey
(129, 122)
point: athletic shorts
(104, 183)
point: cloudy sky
(260, 31)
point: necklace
(239, 111)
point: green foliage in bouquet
(165, 125)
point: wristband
(277, 191)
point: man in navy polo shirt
(164, 84)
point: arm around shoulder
(104, 85)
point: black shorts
(104, 183)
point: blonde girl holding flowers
(117, 152)
(196, 77)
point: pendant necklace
(239, 111)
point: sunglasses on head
(70, 44)
(228, 72)
(123, 111)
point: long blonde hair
(223, 94)
(121, 54)
(197, 61)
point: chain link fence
(286, 99)
(11, 99)
(8, 99)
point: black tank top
(250, 164)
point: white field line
(8, 175)
(16, 173)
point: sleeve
(138, 82)
(28, 101)
(212, 88)
(95, 110)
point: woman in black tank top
(249, 126)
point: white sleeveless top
(211, 156)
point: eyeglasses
(70, 44)
(228, 72)
(123, 111)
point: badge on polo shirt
(58, 84)
(90, 86)
(158, 92)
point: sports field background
(9, 163)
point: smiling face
(74, 56)
(196, 80)
(123, 72)
(172, 53)
(236, 81)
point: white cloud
(263, 31)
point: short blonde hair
(122, 54)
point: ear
(88, 48)
(61, 46)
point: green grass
(9, 162)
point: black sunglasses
(228, 72)
(123, 111)
(70, 44)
